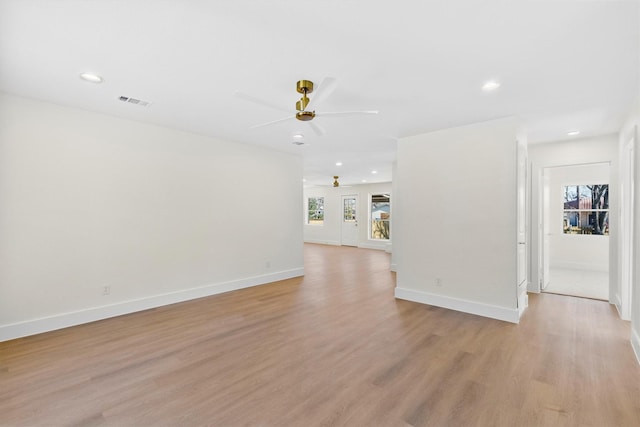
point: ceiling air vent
(135, 101)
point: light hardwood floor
(331, 349)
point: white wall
(88, 201)
(330, 232)
(584, 252)
(635, 292)
(581, 151)
(630, 130)
(394, 190)
(455, 219)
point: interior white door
(521, 243)
(546, 232)
(349, 236)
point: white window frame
(580, 211)
(306, 210)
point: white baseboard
(465, 306)
(616, 300)
(394, 267)
(635, 343)
(378, 247)
(64, 320)
(581, 266)
(323, 242)
(523, 303)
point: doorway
(574, 232)
(349, 227)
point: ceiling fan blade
(272, 122)
(259, 101)
(326, 88)
(346, 113)
(319, 130)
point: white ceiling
(563, 65)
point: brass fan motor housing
(302, 103)
(305, 116)
(304, 86)
(335, 181)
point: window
(380, 216)
(349, 209)
(315, 210)
(586, 209)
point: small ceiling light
(491, 85)
(338, 163)
(573, 133)
(374, 172)
(90, 77)
(364, 180)
(298, 136)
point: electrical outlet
(438, 282)
(106, 290)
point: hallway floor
(580, 283)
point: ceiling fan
(337, 184)
(305, 105)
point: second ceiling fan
(305, 106)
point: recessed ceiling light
(573, 133)
(338, 163)
(364, 180)
(374, 172)
(490, 85)
(304, 179)
(90, 77)
(298, 136)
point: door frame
(543, 229)
(627, 226)
(543, 226)
(522, 225)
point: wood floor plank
(333, 348)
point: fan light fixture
(335, 181)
